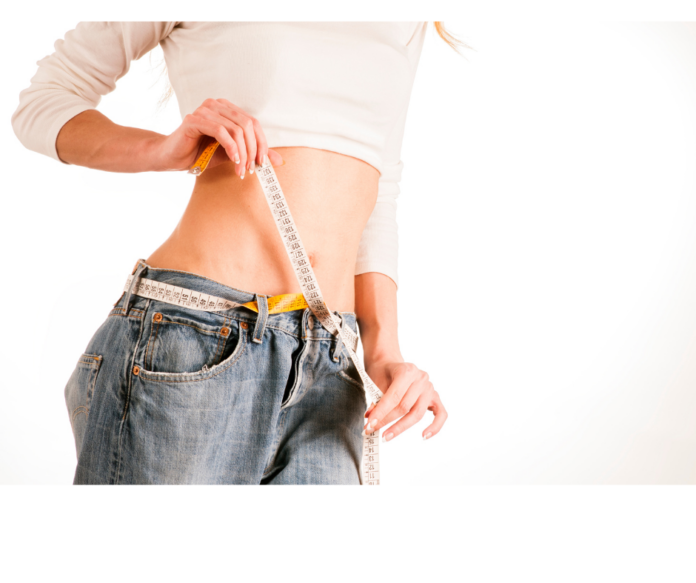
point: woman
(169, 393)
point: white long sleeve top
(336, 86)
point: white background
(571, 343)
(547, 254)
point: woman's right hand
(241, 138)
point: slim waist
(294, 322)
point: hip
(158, 379)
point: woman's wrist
(148, 151)
(380, 344)
(375, 307)
(153, 153)
(376, 359)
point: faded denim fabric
(171, 395)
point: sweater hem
(281, 139)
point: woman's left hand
(408, 394)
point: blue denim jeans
(172, 395)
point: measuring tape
(310, 297)
(188, 298)
(202, 162)
(180, 296)
(312, 294)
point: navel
(312, 258)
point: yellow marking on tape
(203, 160)
(276, 304)
(281, 303)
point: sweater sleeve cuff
(378, 267)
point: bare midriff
(227, 232)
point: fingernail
(242, 176)
(236, 158)
(427, 435)
(253, 167)
(387, 437)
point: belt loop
(261, 318)
(140, 266)
(339, 340)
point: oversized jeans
(165, 394)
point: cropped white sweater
(339, 86)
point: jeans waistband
(301, 322)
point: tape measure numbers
(179, 296)
(202, 162)
(310, 290)
(311, 295)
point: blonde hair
(450, 39)
(445, 35)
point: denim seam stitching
(154, 330)
(276, 445)
(297, 368)
(76, 412)
(333, 350)
(202, 330)
(129, 376)
(120, 312)
(95, 366)
(242, 340)
(293, 399)
(221, 345)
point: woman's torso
(227, 232)
(331, 97)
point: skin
(331, 197)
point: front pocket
(78, 394)
(177, 344)
(183, 350)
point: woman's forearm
(91, 139)
(408, 391)
(375, 308)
